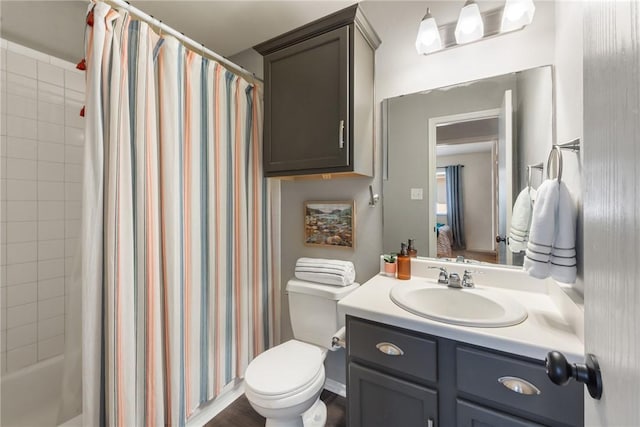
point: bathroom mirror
(474, 141)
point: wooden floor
(241, 414)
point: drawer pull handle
(518, 385)
(430, 422)
(341, 134)
(389, 349)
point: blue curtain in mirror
(455, 208)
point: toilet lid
(284, 368)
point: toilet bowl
(284, 383)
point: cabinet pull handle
(430, 422)
(389, 349)
(518, 385)
(341, 134)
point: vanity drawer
(392, 349)
(478, 375)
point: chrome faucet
(467, 280)
(443, 277)
(454, 281)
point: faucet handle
(443, 277)
(467, 279)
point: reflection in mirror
(456, 158)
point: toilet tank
(314, 310)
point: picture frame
(329, 224)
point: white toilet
(284, 383)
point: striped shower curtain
(177, 270)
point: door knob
(500, 239)
(560, 371)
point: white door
(505, 176)
(611, 207)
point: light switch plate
(416, 194)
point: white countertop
(546, 328)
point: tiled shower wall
(40, 190)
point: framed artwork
(329, 224)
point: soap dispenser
(404, 263)
(413, 252)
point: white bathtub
(30, 397)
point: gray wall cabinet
(397, 377)
(319, 100)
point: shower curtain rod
(195, 46)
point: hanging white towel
(327, 271)
(543, 230)
(563, 254)
(521, 220)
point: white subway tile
(3, 143)
(21, 336)
(21, 106)
(3, 58)
(18, 232)
(69, 266)
(72, 117)
(51, 308)
(19, 189)
(3, 167)
(51, 347)
(74, 136)
(52, 99)
(26, 51)
(21, 148)
(72, 191)
(21, 357)
(21, 85)
(49, 211)
(22, 294)
(74, 96)
(21, 273)
(72, 229)
(21, 169)
(51, 269)
(74, 154)
(73, 210)
(50, 171)
(51, 152)
(18, 253)
(3, 342)
(50, 288)
(65, 65)
(20, 64)
(50, 132)
(73, 173)
(3, 301)
(21, 211)
(3, 362)
(3, 124)
(50, 328)
(74, 79)
(48, 191)
(21, 315)
(3, 257)
(50, 74)
(50, 230)
(3, 208)
(22, 128)
(50, 113)
(70, 246)
(3, 194)
(50, 249)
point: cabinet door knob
(341, 134)
(518, 385)
(389, 349)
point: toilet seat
(285, 374)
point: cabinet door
(306, 123)
(379, 400)
(470, 415)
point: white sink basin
(480, 307)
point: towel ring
(557, 154)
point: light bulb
(470, 26)
(428, 38)
(517, 14)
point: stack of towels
(521, 220)
(327, 271)
(551, 249)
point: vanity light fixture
(470, 26)
(428, 39)
(517, 14)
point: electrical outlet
(416, 194)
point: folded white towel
(521, 220)
(327, 271)
(543, 230)
(563, 254)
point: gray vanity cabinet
(318, 99)
(397, 377)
